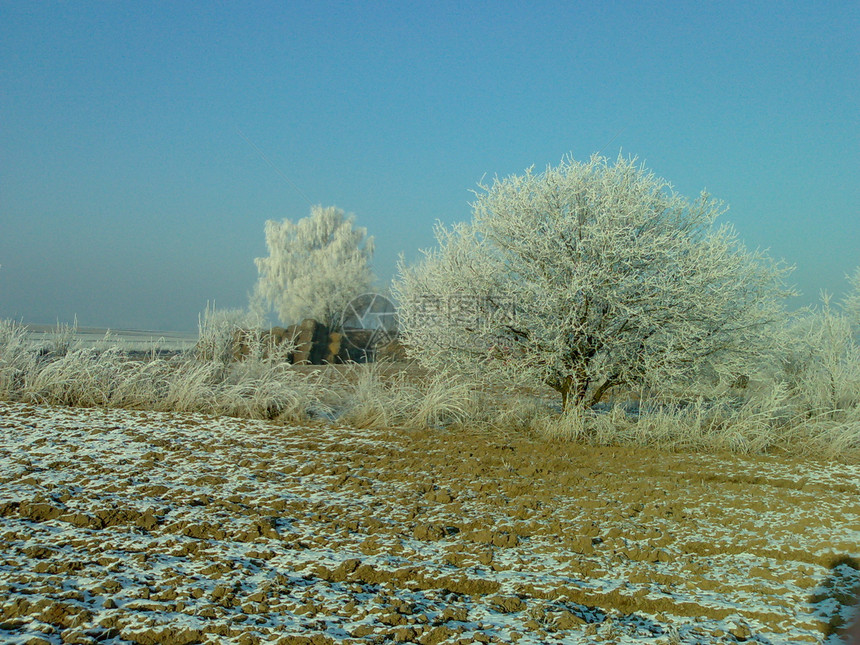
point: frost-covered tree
(315, 266)
(586, 277)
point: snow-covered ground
(130, 526)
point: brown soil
(121, 526)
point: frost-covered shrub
(821, 366)
(586, 277)
(850, 305)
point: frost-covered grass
(807, 402)
(756, 425)
(207, 380)
(106, 375)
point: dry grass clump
(17, 358)
(199, 381)
(369, 398)
(765, 422)
(208, 380)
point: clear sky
(129, 198)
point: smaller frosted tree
(315, 266)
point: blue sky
(129, 198)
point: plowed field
(122, 526)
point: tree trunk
(600, 391)
(570, 388)
(576, 390)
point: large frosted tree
(586, 277)
(315, 266)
